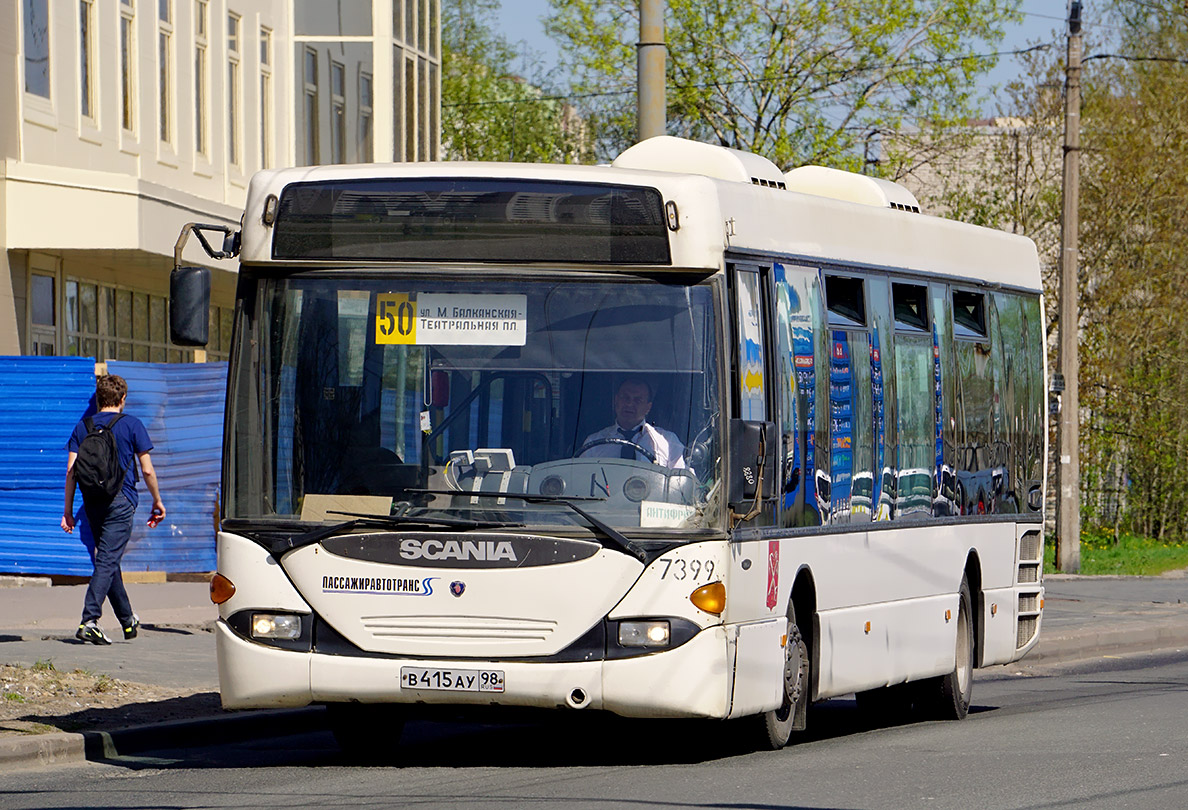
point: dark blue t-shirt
(131, 440)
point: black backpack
(97, 467)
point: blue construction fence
(181, 405)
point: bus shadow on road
(553, 740)
(510, 738)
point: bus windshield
(412, 395)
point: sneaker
(92, 632)
(130, 629)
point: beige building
(121, 120)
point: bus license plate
(452, 680)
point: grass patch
(1125, 555)
(13, 697)
(44, 665)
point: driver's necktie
(624, 450)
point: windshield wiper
(278, 547)
(617, 539)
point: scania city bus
(424, 502)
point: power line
(854, 71)
(1128, 58)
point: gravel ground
(39, 699)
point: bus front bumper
(692, 680)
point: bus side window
(797, 297)
(916, 385)
(882, 384)
(851, 422)
(942, 339)
(975, 381)
(749, 334)
(1037, 395)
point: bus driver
(631, 433)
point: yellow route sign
(396, 318)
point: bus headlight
(644, 634)
(276, 625)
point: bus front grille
(1027, 628)
(460, 629)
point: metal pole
(1068, 512)
(651, 58)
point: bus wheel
(366, 732)
(948, 697)
(776, 726)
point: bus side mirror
(189, 306)
(752, 462)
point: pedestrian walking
(103, 452)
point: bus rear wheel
(948, 697)
(776, 726)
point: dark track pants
(111, 527)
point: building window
(365, 117)
(434, 110)
(337, 113)
(127, 65)
(397, 104)
(86, 58)
(265, 98)
(410, 109)
(165, 68)
(219, 347)
(43, 320)
(311, 106)
(423, 26)
(423, 111)
(434, 13)
(201, 43)
(234, 96)
(113, 323)
(37, 67)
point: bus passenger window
(798, 295)
(846, 300)
(969, 314)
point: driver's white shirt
(664, 443)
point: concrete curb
(1126, 639)
(63, 748)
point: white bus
(837, 485)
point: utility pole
(1068, 475)
(650, 76)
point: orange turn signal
(221, 589)
(710, 598)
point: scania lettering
(456, 550)
(837, 487)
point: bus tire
(776, 726)
(366, 732)
(948, 697)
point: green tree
(1134, 248)
(488, 111)
(799, 81)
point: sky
(1043, 21)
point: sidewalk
(1084, 617)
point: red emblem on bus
(773, 572)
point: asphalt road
(1111, 733)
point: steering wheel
(648, 454)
